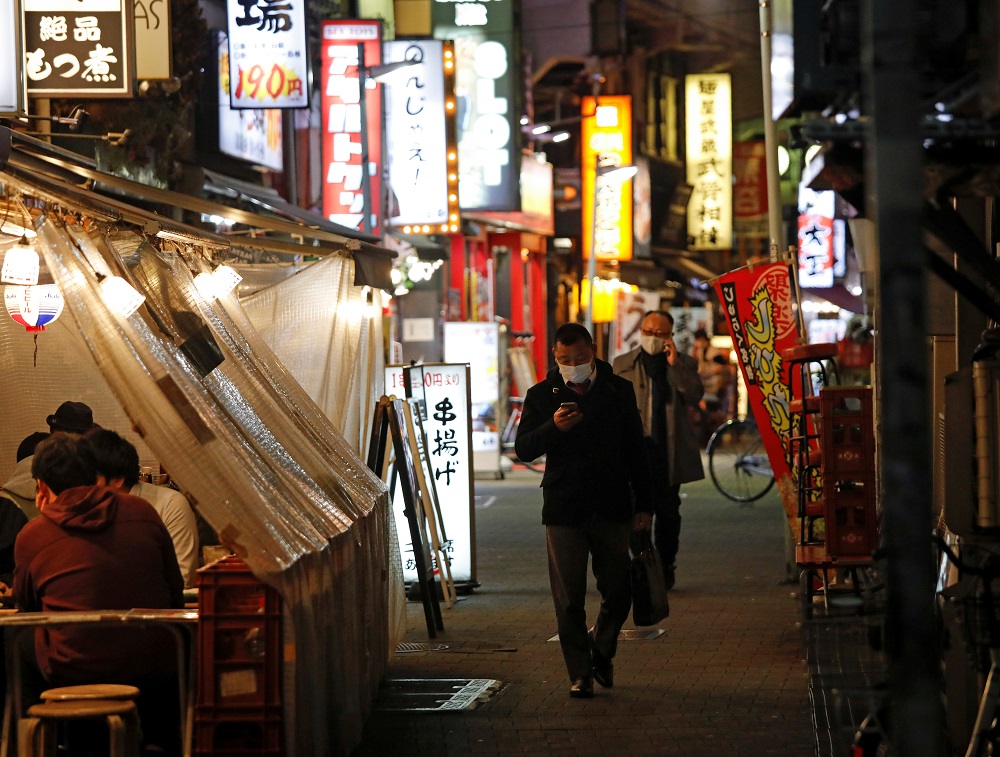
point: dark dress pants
(667, 524)
(570, 548)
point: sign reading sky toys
(420, 134)
(268, 54)
(607, 142)
(12, 95)
(79, 47)
(709, 141)
(351, 185)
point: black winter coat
(597, 467)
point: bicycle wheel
(737, 461)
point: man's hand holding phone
(567, 416)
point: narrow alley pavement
(729, 675)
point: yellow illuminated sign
(709, 150)
(607, 142)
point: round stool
(115, 691)
(39, 734)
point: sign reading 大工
(79, 47)
(447, 454)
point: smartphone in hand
(571, 406)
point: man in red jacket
(94, 548)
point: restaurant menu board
(478, 344)
(79, 47)
(268, 54)
(757, 304)
(12, 96)
(444, 391)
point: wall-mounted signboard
(444, 389)
(709, 143)
(606, 140)
(252, 135)
(420, 136)
(77, 48)
(351, 185)
(487, 91)
(268, 54)
(12, 94)
(152, 40)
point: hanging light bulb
(34, 307)
(206, 285)
(120, 296)
(226, 280)
(20, 264)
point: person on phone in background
(584, 420)
(666, 383)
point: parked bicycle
(737, 461)
(510, 434)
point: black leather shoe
(604, 670)
(582, 688)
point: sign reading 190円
(79, 47)
(444, 389)
(268, 54)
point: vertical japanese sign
(152, 39)
(709, 142)
(606, 137)
(420, 134)
(478, 344)
(351, 185)
(750, 189)
(632, 306)
(757, 304)
(268, 54)
(79, 47)
(444, 391)
(687, 321)
(816, 237)
(12, 94)
(487, 84)
(253, 135)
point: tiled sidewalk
(728, 676)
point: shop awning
(424, 247)
(52, 169)
(680, 262)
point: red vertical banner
(759, 310)
(348, 194)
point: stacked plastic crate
(239, 664)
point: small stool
(38, 738)
(113, 691)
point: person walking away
(94, 548)
(666, 384)
(584, 419)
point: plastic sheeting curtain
(257, 458)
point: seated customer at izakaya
(96, 548)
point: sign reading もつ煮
(79, 47)
(268, 54)
(351, 185)
(709, 140)
(606, 136)
(444, 390)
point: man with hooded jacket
(94, 548)
(584, 420)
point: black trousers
(570, 549)
(667, 524)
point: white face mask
(652, 345)
(575, 374)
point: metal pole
(770, 133)
(893, 184)
(366, 179)
(592, 260)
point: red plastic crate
(234, 733)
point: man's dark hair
(27, 446)
(63, 461)
(664, 313)
(114, 455)
(572, 333)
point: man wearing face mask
(584, 419)
(666, 384)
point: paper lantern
(120, 296)
(206, 285)
(20, 265)
(34, 307)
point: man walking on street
(666, 385)
(584, 419)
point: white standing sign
(268, 54)
(444, 389)
(12, 94)
(478, 344)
